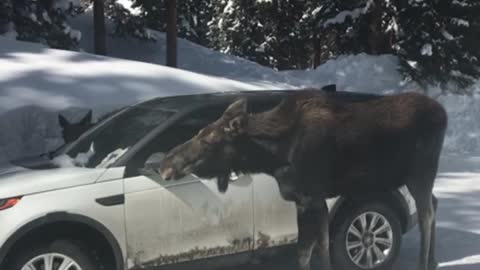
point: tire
(61, 250)
(344, 260)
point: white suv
(95, 205)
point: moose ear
(236, 126)
(87, 119)
(62, 121)
(238, 107)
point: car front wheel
(57, 255)
(366, 237)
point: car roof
(180, 101)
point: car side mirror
(150, 168)
(154, 161)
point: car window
(103, 147)
(181, 131)
(184, 129)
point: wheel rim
(52, 261)
(369, 240)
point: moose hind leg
(426, 216)
(313, 228)
(432, 262)
(420, 184)
(323, 242)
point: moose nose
(167, 174)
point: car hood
(16, 180)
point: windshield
(103, 146)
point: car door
(275, 218)
(177, 221)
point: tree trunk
(172, 33)
(100, 32)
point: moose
(318, 145)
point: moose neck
(274, 123)
(257, 156)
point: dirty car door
(178, 221)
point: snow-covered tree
(438, 41)
(267, 31)
(127, 20)
(192, 18)
(234, 29)
(288, 34)
(41, 21)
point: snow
(392, 26)
(413, 64)
(127, 4)
(353, 14)
(36, 83)
(427, 49)
(460, 22)
(46, 17)
(460, 3)
(317, 10)
(447, 35)
(75, 34)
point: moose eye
(212, 137)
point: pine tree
(125, 23)
(192, 19)
(267, 32)
(100, 32)
(6, 19)
(438, 42)
(39, 21)
(234, 30)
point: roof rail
(329, 88)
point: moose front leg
(286, 180)
(312, 220)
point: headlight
(8, 203)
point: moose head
(212, 151)
(71, 131)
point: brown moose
(319, 145)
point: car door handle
(111, 200)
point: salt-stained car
(97, 204)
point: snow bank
(56, 79)
(348, 72)
(191, 56)
(36, 83)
